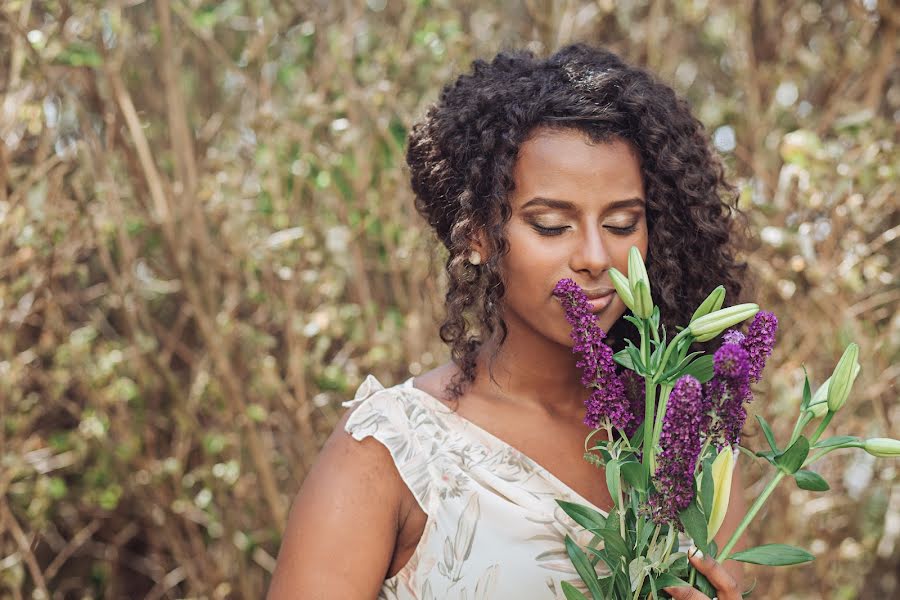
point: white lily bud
(882, 447)
(707, 327)
(722, 472)
(843, 377)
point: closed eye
(623, 230)
(549, 230)
(552, 231)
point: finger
(684, 592)
(725, 585)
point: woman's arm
(342, 529)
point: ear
(480, 244)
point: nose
(590, 256)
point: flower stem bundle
(673, 421)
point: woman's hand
(726, 586)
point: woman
(530, 171)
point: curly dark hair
(461, 158)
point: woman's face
(577, 208)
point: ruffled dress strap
(402, 426)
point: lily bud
(882, 447)
(842, 378)
(722, 471)
(623, 288)
(712, 303)
(709, 326)
(818, 410)
(636, 269)
(818, 404)
(643, 303)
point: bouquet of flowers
(673, 421)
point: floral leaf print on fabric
(493, 527)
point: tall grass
(207, 240)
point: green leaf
(585, 516)
(837, 440)
(703, 584)
(584, 568)
(644, 539)
(80, 55)
(634, 321)
(675, 372)
(612, 480)
(702, 368)
(767, 431)
(773, 555)
(792, 459)
(707, 487)
(664, 580)
(613, 543)
(623, 358)
(636, 475)
(635, 567)
(635, 355)
(603, 555)
(571, 592)
(810, 480)
(656, 357)
(807, 393)
(638, 438)
(695, 524)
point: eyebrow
(566, 205)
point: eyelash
(554, 231)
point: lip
(600, 298)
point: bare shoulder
(343, 524)
(435, 381)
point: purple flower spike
(681, 442)
(732, 336)
(607, 402)
(727, 392)
(759, 341)
(731, 361)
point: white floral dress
(493, 529)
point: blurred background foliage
(207, 240)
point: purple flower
(732, 336)
(680, 441)
(731, 361)
(727, 392)
(607, 402)
(759, 341)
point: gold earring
(475, 257)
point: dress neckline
(445, 410)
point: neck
(533, 371)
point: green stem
(637, 591)
(665, 358)
(823, 451)
(649, 397)
(802, 421)
(664, 392)
(621, 512)
(821, 428)
(700, 456)
(750, 516)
